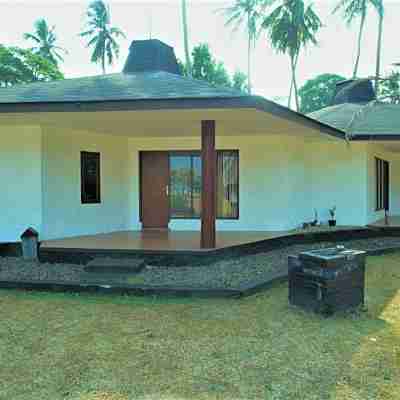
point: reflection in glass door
(185, 185)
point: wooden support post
(209, 180)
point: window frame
(236, 152)
(85, 155)
(382, 184)
(182, 153)
(191, 153)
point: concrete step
(115, 265)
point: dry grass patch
(78, 347)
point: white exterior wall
(373, 151)
(282, 180)
(63, 213)
(337, 176)
(271, 177)
(21, 180)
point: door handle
(167, 190)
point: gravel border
(243, 271)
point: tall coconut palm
(45, 40)
(380, 10)
(290, 27)
(186, 38)
(101, 34)
(246, 12)
(353, 9)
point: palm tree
(248, 12)
(45, 39)
(291, 26)
(380, 10)
(353, 9)
(101, 34)
(186, 39)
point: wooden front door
(154, 170)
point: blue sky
(271, 73)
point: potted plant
(332, 213)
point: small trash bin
(30, 244)
(327, 280)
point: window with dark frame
(185, 184)
(228, 184)
(90, 177)
(382, 184)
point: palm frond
(101, 34)
(352, 9)
(99, 51)
(87, 33)
(109, 52)
(93, 41)
(117, 32)
(30, 36)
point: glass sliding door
(196, 186)
(185, 185)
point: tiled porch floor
(168, 240)
(392, 222)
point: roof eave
(284, 112)
(375, 137)
(257, 102)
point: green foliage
(182, 68)
(205, 67)
(248, 13)
(101, 34)
(289, 27)
(317, 93)
(239, 81)
(389, 88)
(352, 9)
(245, 12)
(45, 40)
(24, 66)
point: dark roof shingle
(372, 119)
(120, 86)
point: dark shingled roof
(150, 80)
(131, 86)
(151, 55)
(374, 120)
(354, 91)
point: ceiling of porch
(172, 123)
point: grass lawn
(93, 347)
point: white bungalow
(149, 150)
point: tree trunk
(248, 54)
(186, 39)
(293, 62)
(103, 63)
(290, 93)
(379, 49)
(291, 83)
(360, 33)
